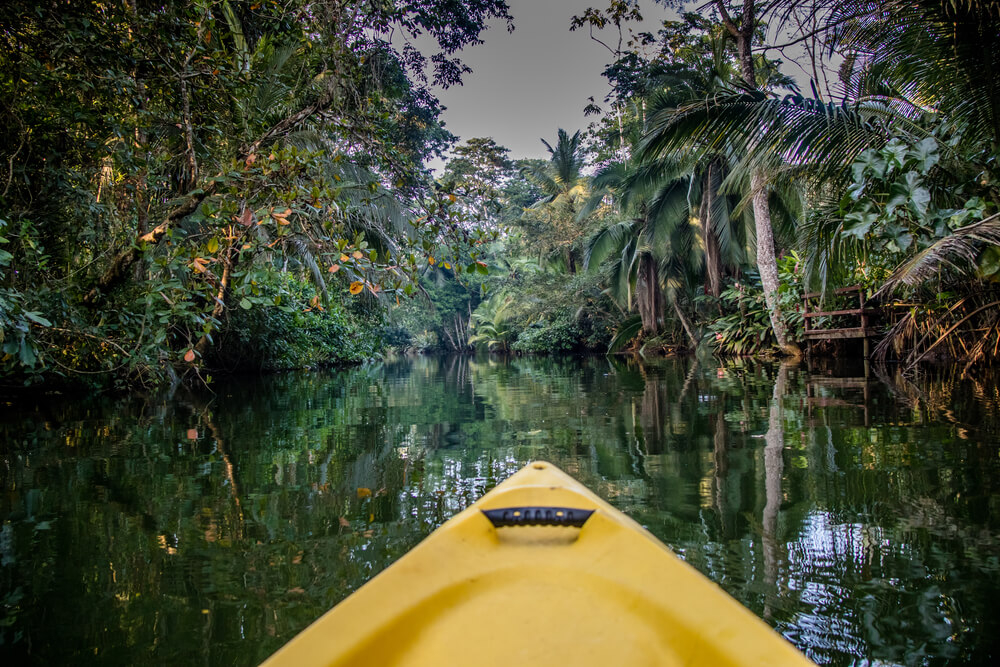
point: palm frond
(627, 330)
(609, 240)
(957, 251)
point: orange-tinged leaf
(356, 287)
(251, 159)
(298, 590)
(431, 260)
(247, 217)
(368, 533)
(357, 254)
(345, 258)
(192, 434)
(364, 492)
(451, 198)
(189, 356)
(334, 268)
(344, 522)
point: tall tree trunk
(767, 264)
(649, 297)
(570, 260)
(713, 262)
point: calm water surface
(860, 519)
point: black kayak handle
(538, 516)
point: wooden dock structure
(864, 314)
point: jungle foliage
(171, 169)
(711, 192)
(223, 185)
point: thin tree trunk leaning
(220, 301)
(767, 264)
(688, 329)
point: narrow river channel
(859, 517)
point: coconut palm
(653, 249)
(566, 191)
(912, 70)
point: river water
(859, 517)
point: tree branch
(117, 272)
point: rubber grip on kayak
(538, 516)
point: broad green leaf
(894, 153)
(925, 154)
(989, 263)
(26, 353)
(37, 319)
(858, 224)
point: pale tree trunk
(774, 467)
(767, 264)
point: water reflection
(855, 515)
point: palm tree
(566, 190)
(653, 247)
(742, 30)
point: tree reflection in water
(857, 516)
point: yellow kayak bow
(539, 571)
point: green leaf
(36, 318)
(895, 153)
(989, 262)
(26, 353)
(858, 224)
(246, 304)
(925, 154)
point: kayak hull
(606, 593)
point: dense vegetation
(711, 192)
(223, 185)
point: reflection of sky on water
(865, 533)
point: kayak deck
(472, 593)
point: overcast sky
(527, 84)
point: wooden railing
(864, 315)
